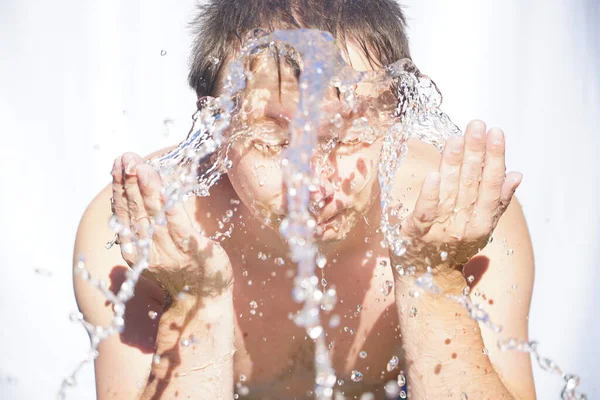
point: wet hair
(378, 27)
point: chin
(337, 230)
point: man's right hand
(180, 258)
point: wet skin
(272, 353)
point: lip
(328, 217)
(323, 222)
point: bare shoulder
(132, 349)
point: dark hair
(378, 27)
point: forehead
(274, 76)
(272, 93)
(350, 52)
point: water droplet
(470, 278)
(367, 396)
(321, 261)
(392, 364)
(391, 389)
(444, 255)
(401, 379)
(243, 390)
(386, 287)
(329, 299)
(413, 311)
(510, 252)
(156, 359)
(315, 332)
(326, 378)
(356, 376)
(152, 314)
(334, 321)
(279, 261)
(163, 53)
(362, 354)
(76, 316)
(338, 121)
(70, 381)
(43, 272)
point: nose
(321, 192)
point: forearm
(443, 347)
(194, 350)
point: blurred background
(83, 81)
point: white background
(82, 81)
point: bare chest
(275, 358)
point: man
(232, 328)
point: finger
(426, 208)
(450, 173)
(119, 200)
(138, 214)
(512, 182)
(472, 163)
(493, 176)
(150, 183)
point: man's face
(343, 166)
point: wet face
(344, 165)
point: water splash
(198, 162)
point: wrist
(193, 282)
(190, 303)
(442, 279)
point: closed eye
(269, 147)
(351, 141)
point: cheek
(256, 179)
(358, 172)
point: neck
(252, 237)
